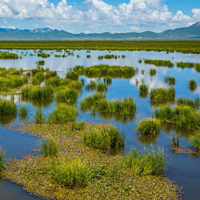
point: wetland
(121, 123)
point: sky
(97, 16)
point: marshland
(137, 122)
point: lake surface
(181, 168)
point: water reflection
(4, 120)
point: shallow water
(181, 168)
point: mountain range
(187, 33)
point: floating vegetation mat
(103, 177)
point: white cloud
(134, 28)
(4, 21)
(147, 13)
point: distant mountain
(187, 33)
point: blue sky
(99, 15)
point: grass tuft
(149, 127)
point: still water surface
(181, 168)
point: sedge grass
(182, 116)
(162, 95)
(49, 147)
(189, 102)
(7, 107)
(143, 162)
(103, 137)
(23, 110)
(152, 72)
(149, 127)
(66, 95)
(195, 142)
(37, 92)
(70, 174)
(62, 114)
(192, 85)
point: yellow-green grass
(162, 95)
(183, 117)
(149, 127)
(37, 92)
(7, 107)
(98, 176)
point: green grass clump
(62, 114)
(152, 72)
(188, 102)
(36, 92)
(7, 107)
(70, 174)
(143, 88)
(162, 95)
(170, 80)
(72, 75)
(2, 153)
(165, 63)
(40, 62)
(144, 162)
(50, 74)
(49, 148)
(182, 116)
(197, 67)
(149, 127)
(102, 87)
(23, 110)
(43, 55)
(88, 56)
(6, 55)
(185, 65)
(91, 100)
(192, 84)
(102, 70)
(39, 118)
(11, 78)
(195, 142)
(103, 137)
(140, 61)
(66, 94)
